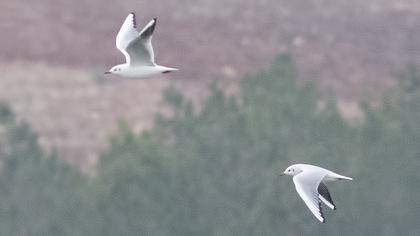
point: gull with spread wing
(138, 51)
(309, 182)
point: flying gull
(138, 51)
(309, 182)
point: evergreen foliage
(214, 170)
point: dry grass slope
(77, 117)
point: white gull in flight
(138, 51)
(309, 182)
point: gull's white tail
(334, 176)
(166, 69)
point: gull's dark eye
(289, 170)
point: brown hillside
(339, 42)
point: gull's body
(309, 182)
(138, 51)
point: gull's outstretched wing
(127, 34)
(325, 196)
(306, 184)
(140, 49)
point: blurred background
(262, 85)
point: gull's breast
(141, 71)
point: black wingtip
(155, 19)
(134, 19)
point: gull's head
(292, 170)
(115, 70)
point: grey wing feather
(317, 202)
(306, 185)
(140, 49)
